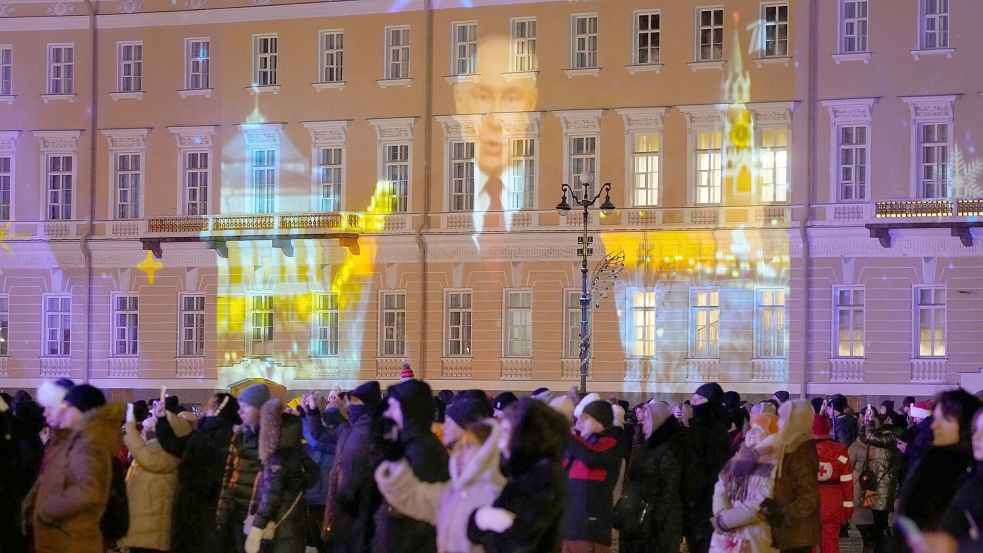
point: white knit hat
(588, 399)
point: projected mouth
(491, 147)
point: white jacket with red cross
(835, 482)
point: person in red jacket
(835, 484)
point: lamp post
(586, 200)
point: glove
(493, 519)
(253, 540)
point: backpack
(115, 520)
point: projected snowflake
(966, 176)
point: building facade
(202, 192)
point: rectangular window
(709, 157)
(129, 67)
(706, 323)
(645, 169)
(524, 45)
(648, 27)
(193, 326)
(935, 24)
(584, 41)
(260, 325)
(128, 172)
(644, 312)
(465, 48)
(329, 178)
(196, 66)
(325, 325)
(458, 316)
(397, 173)
(930, 321)
(571, 324)
(462, 176)
(196, 183)
(6, 185)
(854, 26)
(773, 181)
(264, 60)
(57, 326)
(6, 70)
(397, 53)
(848, 320)
(125, 325)
(775, 35)
(393, 321)
(4, 324)
(852, 162)
(769, 323)
(263, 173)
(710, 34)
(521, 179)
(518, 323)
(332, 56)
(583, 159)
(59, 176)
(933, 160)
(61, 69)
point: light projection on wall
(966, 175)
(149, 267)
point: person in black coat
(21, 421)
(202, 454)
(917, 438)
(527, 514)
(321, 431)
(410, 407)
(707, 453)
(963, 519)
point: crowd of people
(407, 470)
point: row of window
(854, 26)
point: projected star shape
(149, 266)
(5, 235)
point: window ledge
(852, 56)
(644, 68)
(264, 89)
(137, 94)
(58, 97)
(385, 83)
(773, 60)
(460, 79)
(947, 52)
(582, 71)
(206, 92)
(7, 98)
(511, 75)
(333, 85)
(717, 65)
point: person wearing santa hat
(835, 484)
(917, 439)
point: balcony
(846, 369)
(703, 370)
(769, 370)
(189, 367)
(516, 369)
(455, 367)
(928, 369)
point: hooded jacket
(352, 494)
(73, 487)
(150, 486)
(448, 505)
(796, 487)
(242, 467)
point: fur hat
(85, 397)
(601, 411)
(712, 391)
(921, 409)
(51, 393)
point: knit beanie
(768, 422)
(586, 400)
(406, 373)
(255, 396)
(85, 397)
(368, 393)
(782, 396)
(503, 400)
(52, 392)
(712, 391)
(838, 403)
(600, 411)
(820, 427)
(921, 409)
(468, 411)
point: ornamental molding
(8, 141)
(193, 137)
(524, 123)
(772, 113)
(328, 133)
(394, 129)
(931, 108)
(513, 253)
(58, 141)
(130, 6)
(460, 127)
(262, 135)
(580, 121)
(196, 4)
(704, 116)
(850, 110)
(6, 10)
(61, 8)
(642, 119)
(126, 139)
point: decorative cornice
(259, 135)
(520, 123)
(126, 139)
(459, 127)
(772, 113)
(8, 141)
(193, 137)
(394, 128)
(576, 121)
(642, 119)
(704, 116)
(931, 108)
(850, 110)
(60, 141)
(328, 133)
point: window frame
(7, 83)
(529, 163)
(190, 60)
(11, 175)
(467, 343)
(270, 339)
(842, 28)
(198, 333)
(117, 176)
(575, 37)
(132, 335)
(470, 59)
(837, 311)
(4, 325)
(923, 19)
(655, 294)
(63, 351)
(321, 169)
(333, 313)
(51, 65)
(469, 166)
(632, 158)
(397, 311)
(760, 307)
(762, 170)
(73, 182)
(777, 24)
(271, 57)
(186, 172)
(698, 42)
(514, 55)
(507, 326)
(917, 307)
(944, 164)
(338, 56)
(135, 65)
(712, 348)
(716, 184)
(254, 192)
(636, 35)
(404, 49)
(571, 323)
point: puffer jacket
(150, 486)
(884, 460)
(73, 487)
(796, 487)
(352, 494)
(241, 470)
(447, 505)
(745, 482)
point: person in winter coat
(277, 513)
(962, 521)
(203, 452)
(321, 428)
(73, 488)
(242, 467)
(150, 485)
(746, 482)
(410, 407)
(797, 527)
(526, 516)
(935, 479)
(475, 481)
(592, 462)
(844, 424)
(708, 450)
(21, 450)
(883, 463)
(649, 514)
(918, 437)
(835, 484)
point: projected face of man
(492, 94)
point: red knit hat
(921, 409)
(407, 372)
(820, 426)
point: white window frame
(466, 64)
(936, 350)
(839, 310)
(701, 119)
(518, 166)
(262, 137)
(931, 110)
(4, 325)
(767, 341)
(127, 142)
(466, 337)
(638, 122)
(328, 135)
(129, 72)
(263, 194)
(522, 53)
(517, 346)
(711, 348)
(196, 330)
(461, 175)
(715, 172)
(61, 144)
(698, 43)
(580, 124)
(61, 191)
(635, 176)
(643, 332)
(396, 132)
(133, 179)
(777, 24)
(6, 70)
(196, 65)
(326, 325)
(265, 62)
(330, 160)
(942, 40)
(584, 57)
(331, 61)
(194, 140)
(850, 112)
(768, 117)
(399, 323)
(60, 67)
(203, 184)
(637, 35)
(780, 192)
(64, 348)
(402, 51)
(8, 179)
(263, 347)
(857, 22)
(571, 323)
(130, 333)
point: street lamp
(585, 201)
